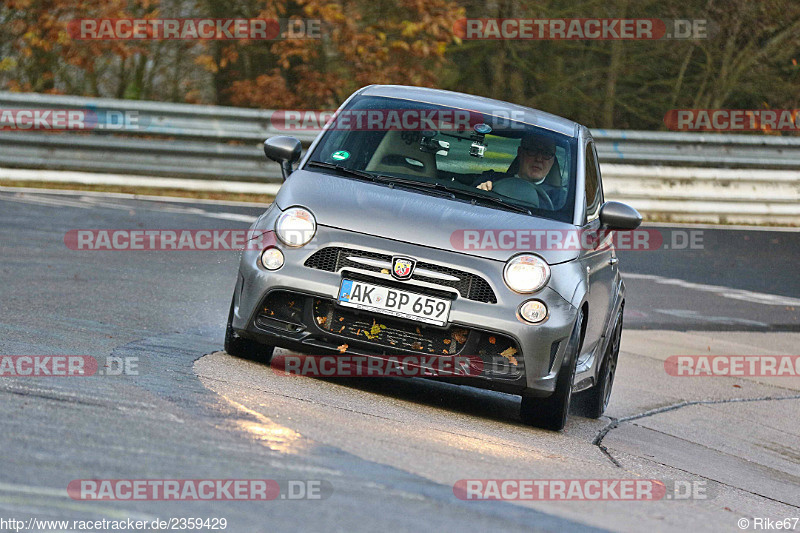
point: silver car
(479, 224)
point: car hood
(418, 218)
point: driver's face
(535, 161)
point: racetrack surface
(390, 448)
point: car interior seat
(396, 154)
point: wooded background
(748, 60)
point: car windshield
(484, 158)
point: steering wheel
(523, 189)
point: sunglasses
(542, 153)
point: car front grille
(468, 285)
(303, 316)
(499, 353)
(282, 310)
(377, 329)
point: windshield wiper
(475, 195)
(452, 192)
(389, 180)
(342, 169)
(404, 181)
(425, 186)
(422, 186)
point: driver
(536, 155)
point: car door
(599, 259)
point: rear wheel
(592, 403)
(551, 412)
(245, 348)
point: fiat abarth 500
(461, 224)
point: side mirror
(619, 216)
(283, 150)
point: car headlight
(526, 273)
(295, 227)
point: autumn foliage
(748, 60)
(361, 43)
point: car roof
(479, 104)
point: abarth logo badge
(402, 267)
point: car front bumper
(492, 328)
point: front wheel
(592, 403)
(551, 412)
(245, 348)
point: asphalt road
(716, 279)
(389, 450)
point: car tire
(551, 412)
(592, 403)
(245, 348)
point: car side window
(594, 191)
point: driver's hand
(485, 186)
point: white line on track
(95, 178)
(37, 497)
(92, 202)
(130, 196)
(725, 292)
(727, 227)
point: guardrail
(672, 174)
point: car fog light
(533, 311)
(272, 259)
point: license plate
(395, 302)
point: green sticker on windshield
(341, 155)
